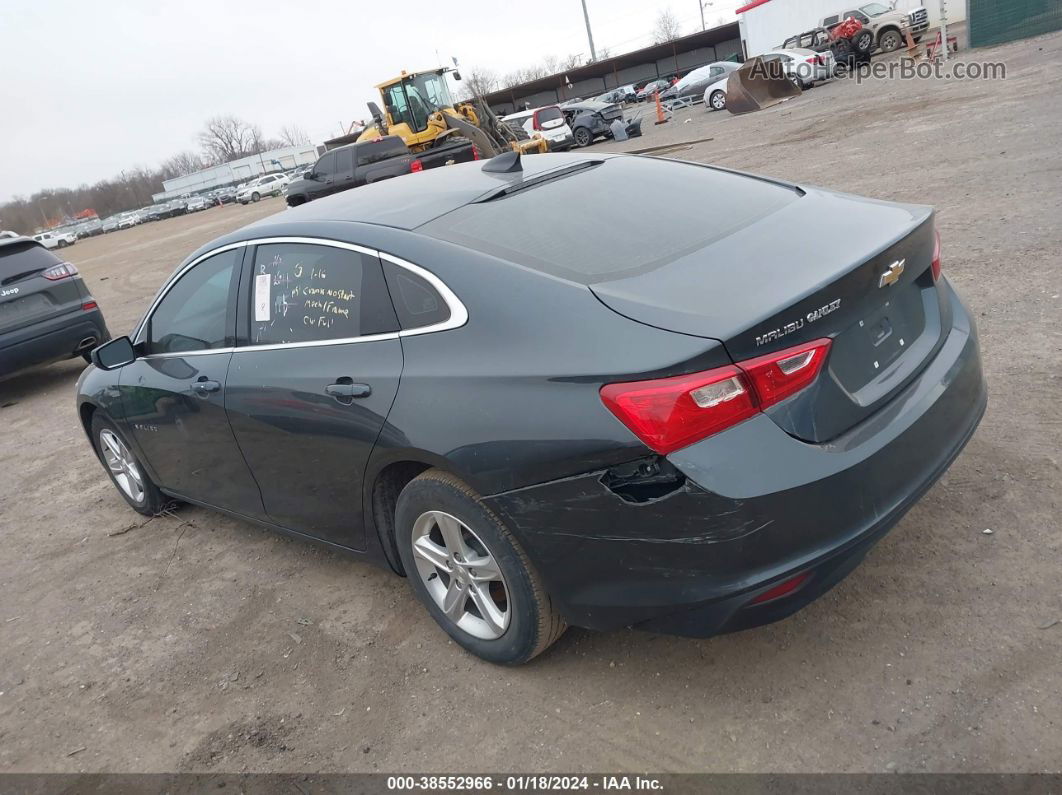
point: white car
(8, 233)
(805, 67)
(547, 122)
(56, 239)
(267, 185)
(127, 220)
(196, 203)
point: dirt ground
(196, 642)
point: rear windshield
(21, 259)
(549, 114)
(628, 215)
(375, 151)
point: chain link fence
(998, 21)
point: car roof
(6, 242)
(412, 200)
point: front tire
(863, 41)
(124, 469)
(255, 196)
(470, 573)
(717, 100)
(890, 41)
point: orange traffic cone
(660, 117)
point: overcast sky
(90, 88)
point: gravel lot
(196, 642)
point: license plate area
(870, 350)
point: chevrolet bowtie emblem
(892, 275)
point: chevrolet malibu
(503, 383)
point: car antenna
(505, 163)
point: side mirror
(116, 353)
(310, 176)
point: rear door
(313, 380)
(344, 177)
(26, 295)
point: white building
(238, 171)
(765, 24)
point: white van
(548, 122)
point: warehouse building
(660, 60)
(238, 171)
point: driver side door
(173, 394)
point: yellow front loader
(418, 108)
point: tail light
(63, 270)
(416, 165)
(668, 414)
(88, 306)
(534, 121)
(475, 152)
(935, 264)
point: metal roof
(607, 66)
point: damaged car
(592, 120)
(545, 411)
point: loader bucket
(758, 84)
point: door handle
(345, 390)
(204, 386)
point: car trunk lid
(853, 270)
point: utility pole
(702, 4)
(589, 35)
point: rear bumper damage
(685, 544)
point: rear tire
(62, 244)
(718, 100)
(863, 41)
(125, 470)
(583, 137)
(453, 531)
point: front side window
(194, 314)
(303, 292)
(326, 166)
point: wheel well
(886, 29)
(385, 490)
(86, 410)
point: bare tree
(227, 138)
(293, 135)
(181, 164)
(667, 27)
(572, 61)
(479, 82)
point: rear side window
(302, 292)
(19, 260)
(344, 161)
(194, 314)
(674, 210)
(417, 303)
(830, 21)
(375, 151)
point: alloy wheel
(461, 575)
(122, 465)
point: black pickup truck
(359, 164)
